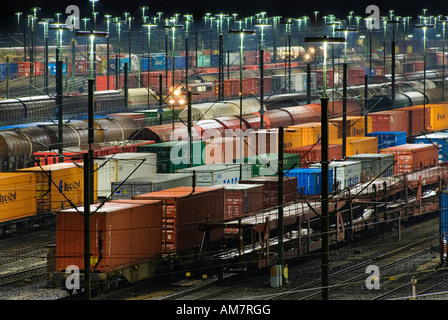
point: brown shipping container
(131, 233)
(410, 157)
(389, 121)
(313, 153)
(17, 196)
(243, 200)
(55, 183)
(184, 211)
(271, 189)
(416, 119)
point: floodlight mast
(324, 165)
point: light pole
(241, 32)
(149, 25)
(324, 164)
(344, 92)
(45, 23)
(261, 25)
(88, 165)
(424, 26)
(173, 28)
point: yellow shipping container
(359, 145)
(17, 196)
(439, 116)
(306, 134)
(55, 183)
(355, 126)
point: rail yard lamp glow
(92, 35)
(241, 32)
(325, 177)
(424, 26)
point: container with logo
(388, 139)
(439, 116)
(154, 182)
(355, 126)
(345, 173)
(17, 196)
(120, 166)
(439, 138)
(219, 173)
(184, 209)
(55, 183)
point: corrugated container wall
(184, 210)
(131, 234)
(357, 145)
(313, 153)
(309, 180)
(17, 196)
(57, 182)
(375, 164)
(388, 139)
(156, 182)
(120, 166)
(411, 157)
(271, 189)
(439, 138)
(215, 174)
(306, 134)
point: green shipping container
(173, 155)
(267, 164)
(204, 61)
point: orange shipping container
(358, 145)
(184, 210)
(130, 230)
(355, 126)
(306, 134)
(410, 157)
(17, 196)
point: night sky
(285, 8)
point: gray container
(217, 173)
(157, 182)
(374, 163)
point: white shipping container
(217, 173)
(346, 173)
(120, 166)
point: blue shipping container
(441, 138)
(52, 69)
(309, 180)
(444, 214)
(388, 139)
(12, 68)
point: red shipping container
(411, 157)
(190, 209)
(313, 153)
(418, 65)
(271, 189)
(242, 200)
(131, 234)
(320, 75)
(389, 121)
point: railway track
(308, 290)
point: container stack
(411, 157)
